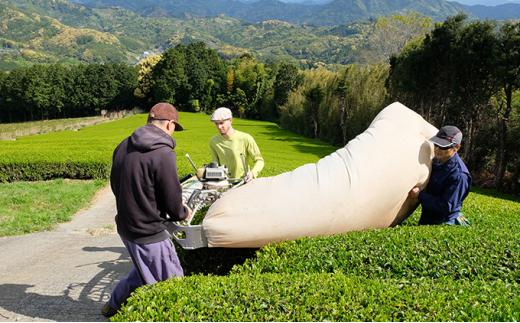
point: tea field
(405, 273)
(86, 153)
(10, 131)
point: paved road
(66, 274)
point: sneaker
(108, 311)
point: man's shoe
(108, 311)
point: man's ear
(170, 126)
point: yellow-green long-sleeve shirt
(226, 151)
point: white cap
(221, 114)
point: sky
(486, 2)
(467, 2)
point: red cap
(165, 111)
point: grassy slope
(29, 207)
(98, 142)
(404, 273)
(36, 206)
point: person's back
(144, 180)
(145, 183)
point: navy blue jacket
(448, 186)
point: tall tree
(144, 79)
(169, 76)
(314, 97)
(473, 68)
(252, 78)
(450, 76)
(287, 78)
(509, 79)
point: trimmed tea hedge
(82, 154)
(486, 250)
(412, 252)
(321, 297)
(408, 273)
(44, 170)
(87, 153)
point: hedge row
(486, 250)
(413, 252)
(94, 145)
(321, 297)
(46, 170)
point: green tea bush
(87, 153)
(407, 273)
(43, 170)
(486, 250)
(321, 297)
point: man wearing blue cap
(449, 181)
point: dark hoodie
(145, 183)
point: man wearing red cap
(148, 193)
(449, 181)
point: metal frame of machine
(200, 191)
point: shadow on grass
(494, 193)
(79, 302)
(300, 143)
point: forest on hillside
(44, 33)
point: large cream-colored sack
(363, 185)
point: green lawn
(35, 206)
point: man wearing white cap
(228, 146)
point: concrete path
(66, 274)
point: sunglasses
(443, 148)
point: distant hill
(499, 12)
(485, 2)
(41, 31)
(31, 33)
(328, 13)
(315, 12)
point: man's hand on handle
(249, 177)
(189, 213)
